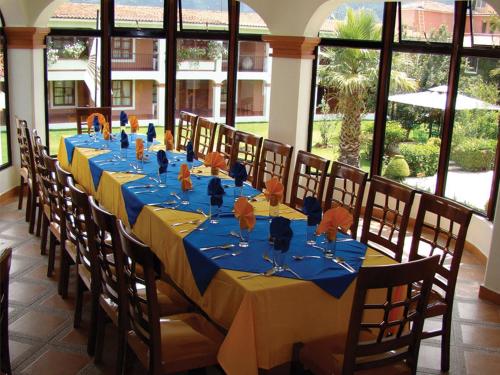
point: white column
(492, 277)
(216, 94)
(267, 99)
(160, 98)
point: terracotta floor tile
(31, 249)
(467, 289)
(26, 293)
(40, 273)
(9, 215)
(18, 229)
(17, 349)
(469, 258)
(19, 265)
(485, 337)
(8, 242)
(479, 311)
(429, 357)
(37, 324)
(472, 273)
(482, 363)
(76, 337)
(55, 362)
(56, 302)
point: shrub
(434, 141)
(397, 169)
(421, 158)
(474, 154)
(394, 133)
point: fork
(197, 221)
(226, 255)
(146, 191)
(223, 247)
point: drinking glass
(123, 154)
(244, 237)
(278, 260)
(140, 165)
(237, 191)
(214, 214)
(185, 197)
(162, 179)
(311, 234)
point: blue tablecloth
(328, 275)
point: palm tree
(351, 74)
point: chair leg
(39, 221)
(99, 337)
(445, 342)
(94, 311)
(32, 216)
(121, 352)
(66, 263)
(52, 254)
(4, 348)
(28, 204)
(80, 288)
(21, 193)
(45, 229)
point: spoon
(200, 211)
(226, 255)
(222, 247)
(174, 194)
(187, 230)
(302, 257)
(236, 234)
(268, 273)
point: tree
(352, 75)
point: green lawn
(5, 154)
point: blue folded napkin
(239, 173)
(123, 118)
(151, 132)
(97, 126)
(161, 156)
(312, 208)
(124, 140)
(281, 233)
(215, 191)
(189, 152)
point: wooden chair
(24, 169)
(43, 195)
(225, 139)
(32, 177)
(186, 129)
(179, 343)
(246, 150)
(309, 178)
(441, 228)
(38, 147)
(112, 294)
(86, 263)
(83, 112)
(68, 241)
(205, 137)
(346, 188)
(275, 160)
(386, 216)
(383, 336)
(5, 261)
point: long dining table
(263, 316)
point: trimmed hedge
(475, 154)
(397, 169)
(421, 158)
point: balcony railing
(249, 63)
(136, 62)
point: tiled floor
(43, 340)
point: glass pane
(413, 132)
(4, 147)
(475, 131)
(138, 74)
(250, 21)
(354, 21)
(345, 105)
(72, 63)
(485, 25)
(430, 21)
(201, 78)
(253, 92)
(76, 14)
(139, 13)
(204, 15)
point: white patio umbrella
(436, 98)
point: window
(5, 153)
(139, 14)
(63, 93)
(203, 15)
(122, 49)
(76, 14)
(485, 24)
(122, 93)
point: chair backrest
(5, 261)
(28, 140)
(186, 129)
(346, 188)
(246, 150)
(225, 139)
(49, 181)
(143, 313)
(386, 216)
(395, 324)
(83, 112)
(275, 160)
(84, 232)
(441, 228)
(65, 206)
(106, 242)
(23, 144)
(309, 178)
(205, 137)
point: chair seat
(71, 250)
(85, 275)
(188, 341)
(23, 171)
(55, 229)
(326, 356)
(436, 306)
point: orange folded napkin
(333, 219)
(169, 140)
(185, 177)
(134, 124)
(90, 120)
(139, 148)
(243, 211)
(274, 191)
(106, 134)
(215, 160)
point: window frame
(8, 132)
(130, 51)
(132, 94)
(64, 105)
